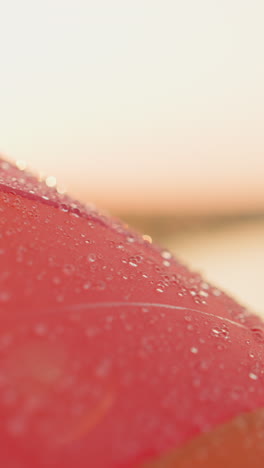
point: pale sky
(133, 103)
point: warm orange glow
(143, 105)
(238, 444)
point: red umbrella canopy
(112, 353)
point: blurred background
(153, 110)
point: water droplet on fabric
(166, 255)
(51, 181)
(258, 334)
(40, 329)
(21, 165)
(253, 376)
(216, 292)
(60, 298)
(132, 262)
(91, 331)
(16, 427)
(160, 287)
(68, 269)
(91, 257)
(103, 368)
(203, 293)
(222, 332)
(56, 280)
(5, 296)
(147, 238)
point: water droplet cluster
(100, 327)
